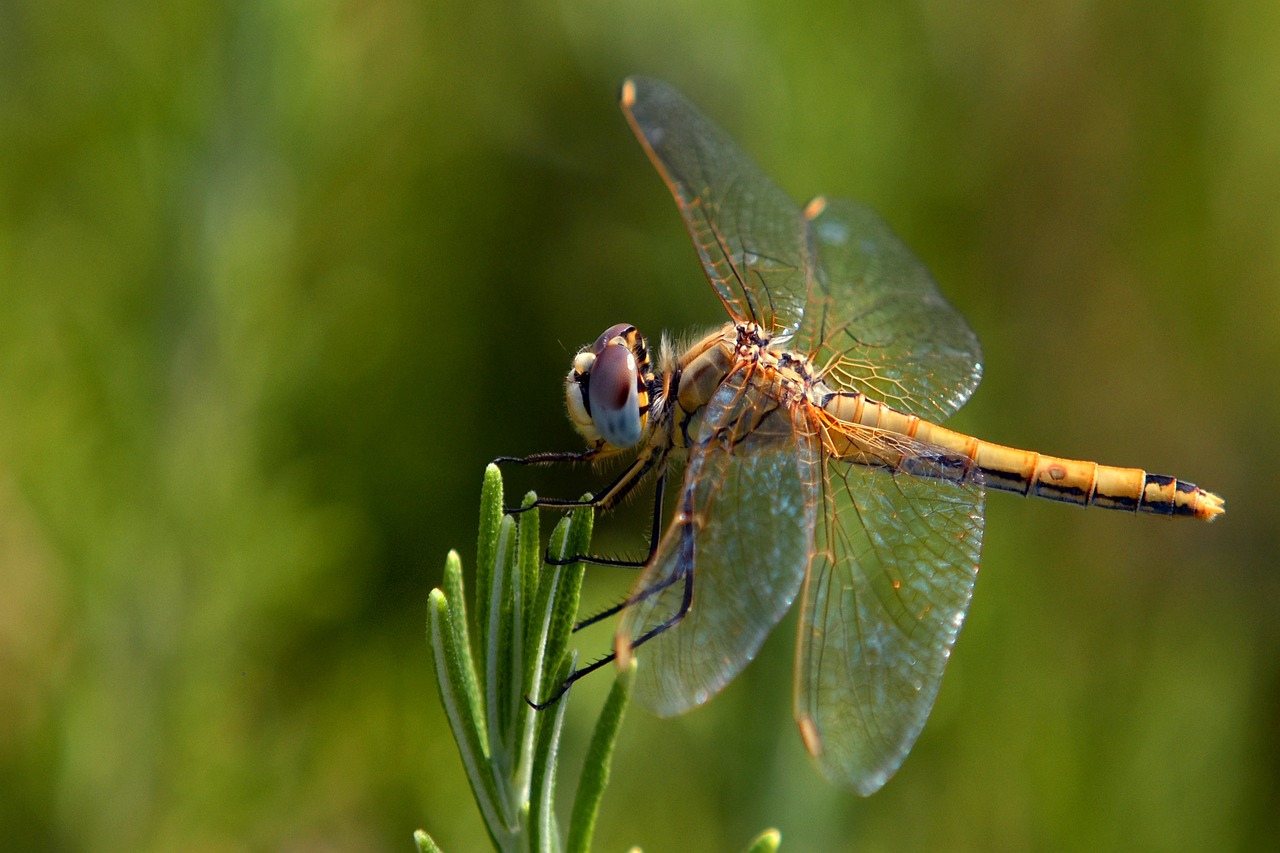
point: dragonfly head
(607, 389)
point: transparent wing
(894, 567)
(749, 234)
(852, 294)
(739, 544)
(876, 322)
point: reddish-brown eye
(612, 396)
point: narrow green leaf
(530, 555)
(555, 585)
(595, 768)
(524, 639)
(500, 681)
(546, 605)
(574, 540)
(542, 817)
(524, 615)
(486, 554)
(767, 842)
(452, 674)
(454, 595)
(530, 561)
(426, 844)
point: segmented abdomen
(1027, 472)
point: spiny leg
(549, 457)
(654, 533)
(605, 499)
(684, 571)
(552, 458)
(685, 601)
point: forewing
(856, 298)
(741, 535)
(749, 234)
(896, 561)
(877, 323)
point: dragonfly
(802, 445)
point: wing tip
(864, 780)
(809, 734)
(623, 651)
(814, 208)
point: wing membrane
(741, 535)
(893, 573)
(877, 322)
(854, 297)
(749, 234)
(891, 552)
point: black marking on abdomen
(1158, 506)
(1120, 502)
(1005, 481)
(828, 397)
(1066, 494)
(1187, 507)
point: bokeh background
(278, 279)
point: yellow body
(860, 430)
(1030, 473)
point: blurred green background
(277, 279)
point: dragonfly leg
(610, 495)
(632, 599)
(567, 683)
(549, 458)
(654, 533)
(683, 572)
(603, 500)
(685, 600)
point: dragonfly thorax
(607, 389)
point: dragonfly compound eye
(613, 398)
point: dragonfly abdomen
(1027, 472)
(1067, 480)
(1089, 484)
